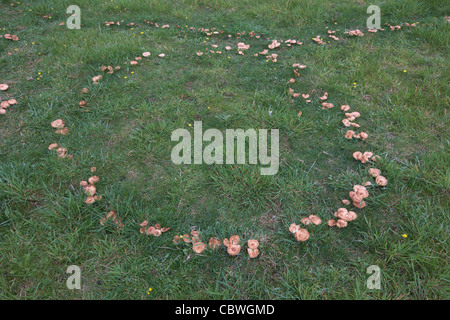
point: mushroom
(374, 172)
(62, 152)
(198, 247)
(52, 146)
(233, 249)
(234, 240)
(357, 155)
(253, 244)
(331, 222)
(58, 123)
(90, 190)
(214, 243)
(315, 219)
(341, 223)
(93, 179)
(143, 224)
(305, 221)
(345, 107)
(89, 200)
(294, 228)
(302, 235)
(381, 181)
(4, 87)
(349, 134)
(253, 253)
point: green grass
(45, 226)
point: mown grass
(45, 226)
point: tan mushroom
(315, 219)
(294, 228)
(332, 223)
(234, 239)
(233, 249)
(302, 235)
(381, 181)
(341, 223)
(198, 247)
(253, 244)
(214, 243)
(374, 172)
(253, 253)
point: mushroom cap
(374, 172)
(349, 134)
(341, 223)
(294, 228)
(150, 230)
(52, 146)
(4, 87)
(351, 216)
(305, 221)
(345, 107)
(381, 181)
(89, 200)
(156, 232)
(315, 219)
(62, 152)
(233, 249)
(198, 247)
(253, 244)
(357, 155)
(302, 235)
(186, 238)
(144, 223)
(234, 239)
(214, 243)
(331, 222)
(363, 135)
(359, 205)
(345, 201)
(90, 190)
(58, 123)
(12, 101)
(93, 179)
(253, 253)
(361, 191)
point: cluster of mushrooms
(60, 127)
(89, 188)
(7, 103)
(11, 37)
(112, 216)
(155, 230)
(232, 244)
(342, 215)
(109, 69)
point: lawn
(396, 79)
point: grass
(124, 131)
